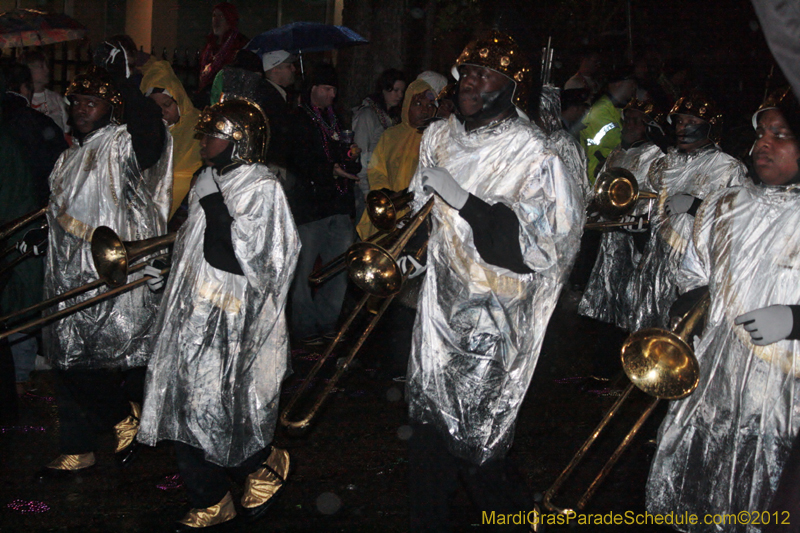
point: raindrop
(394, 395)
(328, 503)
(404, 432)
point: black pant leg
(786, 501)
(432, 480)
(206, 483)
(9, 413)
(240, 472)
(133, 384)
(89, 401)
(497, 486)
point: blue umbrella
(299, 37)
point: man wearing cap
(322, 203)
(279, 72)
(117, 175)
(691, 170)
(722, 449)
(499, 250)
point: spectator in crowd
(44, 100)
(160, 84)
(221, 46)
(377, 113)
(588, 73)
(323, 205)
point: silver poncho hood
(699, 173)
(479, 328)
(565, 145)
(223, 349)
(722, 449)
(605, 297)
(98, 183)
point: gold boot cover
(265, 482)
(72, 462)
(127, 429)
(211, 516)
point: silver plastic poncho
(223, 348)
(722, 449)
(479, 327)
(605, 297)
(565, 145)
(652, 287)
(98, 183)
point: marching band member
(604, 298)
(686, 174)
(499, 251)
(721, 450)
(118, 173)
(222, 350)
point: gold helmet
(501, 53)
(240, 121)
(781, 99)
(97, 82)
(697, 104)
(648, 107)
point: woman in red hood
(221, 44)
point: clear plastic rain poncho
(699, 173)
(605, 298)
(223, 347)
(565, 145)
(98, 183)
(722, 449)
(479, 327)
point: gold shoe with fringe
(126, 431)
(217, 514)
(265, 483)
(65, 466)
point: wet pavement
(350, 468)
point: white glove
(407, 261)
(678, 203)
(768, 324)
(207, 182)
(34, 240)
(439, 180)
(156, 282)
(638, 223)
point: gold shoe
(265, 483)
(219, 513)
(72, 462)
(66, 466)
(127, 430)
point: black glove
(113, 58)
(34, 240)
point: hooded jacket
(395, 158)
(185, 147)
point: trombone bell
(373, 269)
(660, 363)
(113, 256)
(383, 209)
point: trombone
(113, 260)
(661, 364)
(616, 194)
(375, 270)
(384, 211)
(12, 226)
